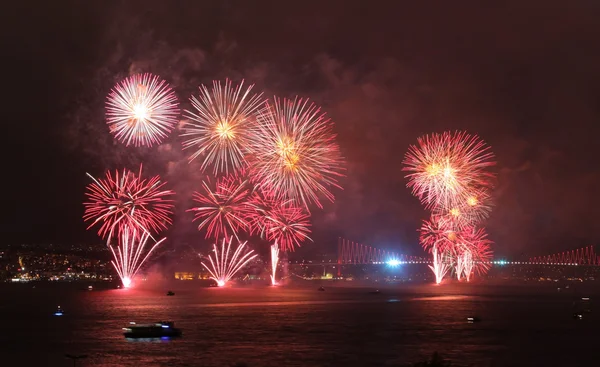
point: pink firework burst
(444, 168)
(288, 225)
(127, 200)
(437, 233)
(294, 153)
(262, 203)
(224, 207)
(220, 127)
(142, 110)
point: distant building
(181, 275)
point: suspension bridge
(354, 253)
(350, 254)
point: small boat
(321, 289)
(90, 288)
(375, 292)
(578, 316)
(157, 330)
(59, 311)
(471, 320)
(170, 293)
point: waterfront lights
(393, 262)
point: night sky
(526, 78)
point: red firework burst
(437, 233)
(224, 207)
(287, 225)
(468, 212)
(445, 168)
(127, 200)
(294, 153)
(262, 204)
(220, 127)
(475, 241)
(142, 110)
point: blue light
(165, 326)
(393, 262)
(58, 314)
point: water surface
(263, 326)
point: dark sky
(524, 75)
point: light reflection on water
(443, 298)
(164, 339)
(278, 326)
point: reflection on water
(279, 326)
(443, 298)
(164, 339)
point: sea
(298, 325)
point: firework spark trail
(439, 268)
(444, 167)
(224, 209)
(222, 268)
(129, 253)
(467, 260)
(127, 200)
(288, 225)
(142, 110)
(294, 153)
(274, 262)
(221, 126)
(460, 266)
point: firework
(437, 233)
(224, 207)
(221, 125)
(262, 204)
(127, 200)
(461, 264)
(439, 267)
(444, 168)
(476, 242)
(467, 210)
(294, 153)
(471, 251)
(223, 267)
(131, 253)
(467, 261)
(141, 110)
(274, 262)
(287, 225)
